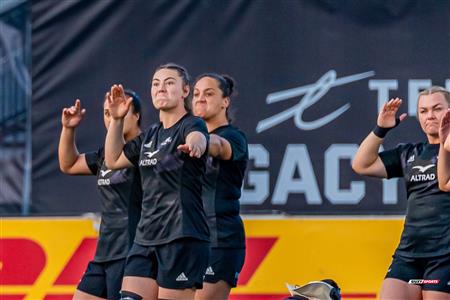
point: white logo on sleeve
(209, 271)
(150, 154)
(148, 145)
(410, 159)
(103, 173)
(423, 169)
(182, 277)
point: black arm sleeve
(238, 143)
(195, 124)
(94, 160)
(132, 149)
(392, 160)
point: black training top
(171, 182)
(121, 198)
(426, 232)
(222, 191)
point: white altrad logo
(423, 177)
(150, 154)
(182, 277)
(148, 145)
(312, 93)
(104, 181)
(423, 169)
(209, 271)
(166, 141)
(103, 173)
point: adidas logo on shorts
(209, 271)
(182, 277)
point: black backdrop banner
(311, 77)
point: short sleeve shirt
(426, 231)
(121, 197)
(171, 182)
(222, 191)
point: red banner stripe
(256, 250)
(76, 266)
(21, 261)
(12, 297)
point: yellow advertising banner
(44, 258)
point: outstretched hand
(444, 128)
(72, 116)
(387, 115)
(118, 103)
(193, 150)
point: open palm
(387, 115)
(118, 102)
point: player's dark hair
(136, 103)
(183, 73)
(226, 85)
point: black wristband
(382, 131)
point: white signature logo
(148, 145)
(312, 93)
(423, 169)
(103, 173)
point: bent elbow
(357, 168)
(109, 164)
(444, 187)
(64, 169)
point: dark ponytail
(136, 103)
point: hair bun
(231, 83)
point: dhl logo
(23, 261)
(45, 259)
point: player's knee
(126, 295)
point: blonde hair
(435, 89)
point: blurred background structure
(15, 106)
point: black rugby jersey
(222, 191)
(427, 224)
(121, 198)
(171, 183)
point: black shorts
(103, 279)
(225, 264)
(435, 271)
(179, 264)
